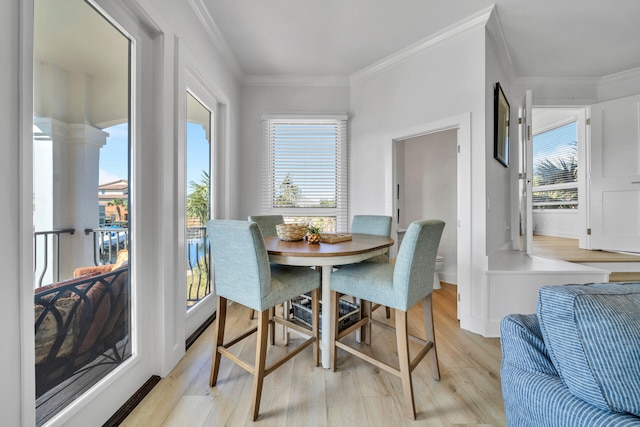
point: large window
(555, 168)
(306, 170)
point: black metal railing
(198, 265)
(107, 242)
(48, 258)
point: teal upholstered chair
(242, 273)
(399, 286)
(267, 224)
(379, 225)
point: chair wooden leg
(286, 315)
(405, 363)
(335, 301)
(272, 325)
(388, 312)
(427, 314)
(218, 339)
(365, 330)
(315, 324)
(261, 361)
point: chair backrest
(378, 225)
(267, 223)
(416, 261)
(240, 261)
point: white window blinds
(305, 169)
(555, 168)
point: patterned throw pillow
(592, 333)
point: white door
(614, 165)
(525, 181)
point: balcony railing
(108, 241)
(198, 265)
(43, 257)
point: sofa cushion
(592, 333)
(123, 258)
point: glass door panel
(80, 197)
(198, 198)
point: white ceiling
(545, 38)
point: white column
(66, 168)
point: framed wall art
(501, 127)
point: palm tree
(117, 203)
(198, 199)
(562, 170)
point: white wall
(259, 99)
(429, 189)
(13, 358)
(445, 80)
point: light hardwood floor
(357, 394)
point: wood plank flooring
(567, 250)
(357, 394)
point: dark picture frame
(501, 111)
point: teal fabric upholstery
(402, 285)
(242, 272)
(592, 334)
(378, 225)
(267, 223)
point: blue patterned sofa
(577, 361)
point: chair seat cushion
(369, 281)
(288, 282)
(592, 334)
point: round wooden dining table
(326, 256)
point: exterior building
(113, 198)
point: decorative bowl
(291, 232)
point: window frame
(341, 211)
(568, 206)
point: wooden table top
(360, 243)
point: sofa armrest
(533, 393)
(100, 269)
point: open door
(525, 165)
(614, 163)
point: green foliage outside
(198, 199)
(562, 170)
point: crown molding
(556, 81)
(632, 74)
(499, 41)
(292, 80)
(219, 41)
(469, 23)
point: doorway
(426, 188)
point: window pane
(81, 210)
(305, 172)
(198, 200)
(304, 165)
(555, 168)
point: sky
(113, 155)
(555, 143)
